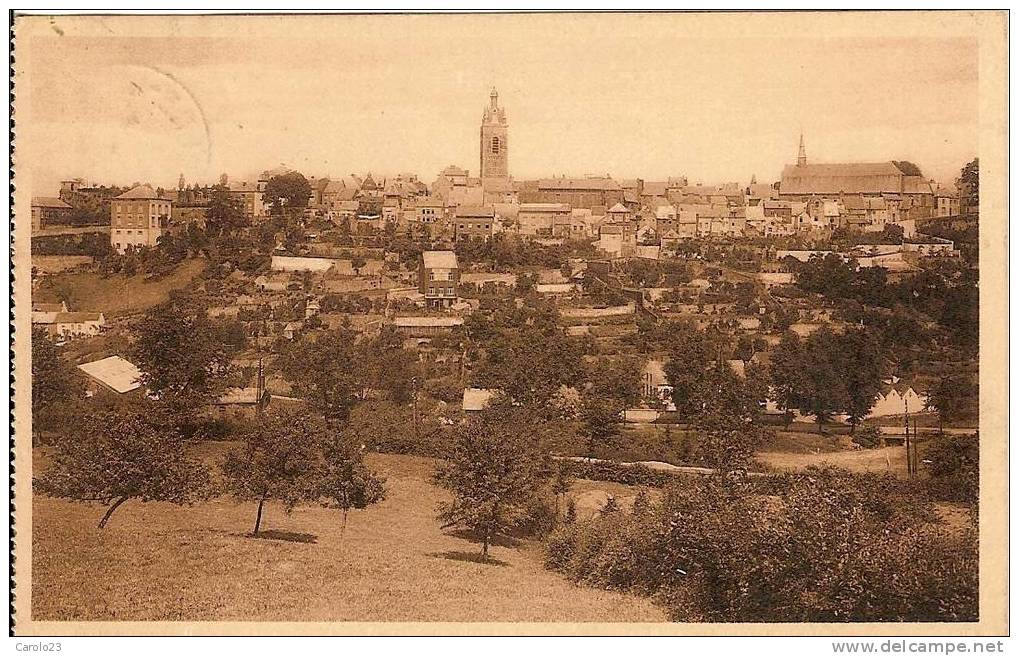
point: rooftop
(141, 192)
(114, 372)
(439, 260)
(47, 201)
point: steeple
(801, 159)
(493, 99)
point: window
(495, 145)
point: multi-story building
(138, 218)
(48, 211)
(471, 222)
(541, 218)
(438, 278)
(588, 193)
(948, 202)
(251, 195)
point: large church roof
(584, 184)
(849, 178)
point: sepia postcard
(510, 323)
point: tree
(907, 167)
(803, 380)
(387, 366)
(225, 213)
(493, 470)
(953, 464)
(280, 460)
(287, 192)
(892, 234)
(827, 374)
(857, 355)
(952, 397)
(532, 362)
(690, 352)
(325, 372)
(969, 186)
(748, 346)
(111, 457)
(180, 352)
(53, 380)
(561, 483)
(600, 419)
(346, 481)
(727, 414)
(356, 263)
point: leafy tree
(287, 192)
(952, 463)
(829, 275)
(494, 470)
(561, 483)
(53, 381)
(530, 363)
(111, 457)
(180, 352)
(969, 185)
(225, 214)
(748, 346)
(325, 372)
(346, 480)
(616, 379)
(280, 460)
(727, 417)
(952, 397)
(892, 234)
(356, 263)
(600, 419)
(691, 351)
(826, 374)
(387, 366)
(907, 167)
(857, 355)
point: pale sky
(117, 101)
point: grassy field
(116, 294)
(392, 563)
(890, 459)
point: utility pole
(909, 459)
(414, 383)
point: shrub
(618, 473)
(952, 463)
(868, 437)
(823, 545)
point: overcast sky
(633, 96)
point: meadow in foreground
(156, 561)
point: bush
(822, 546)
(617, 473)
(868, 437)
(952, 463)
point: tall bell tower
(494, 144)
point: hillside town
(646, 329)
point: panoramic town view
(310, 391)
